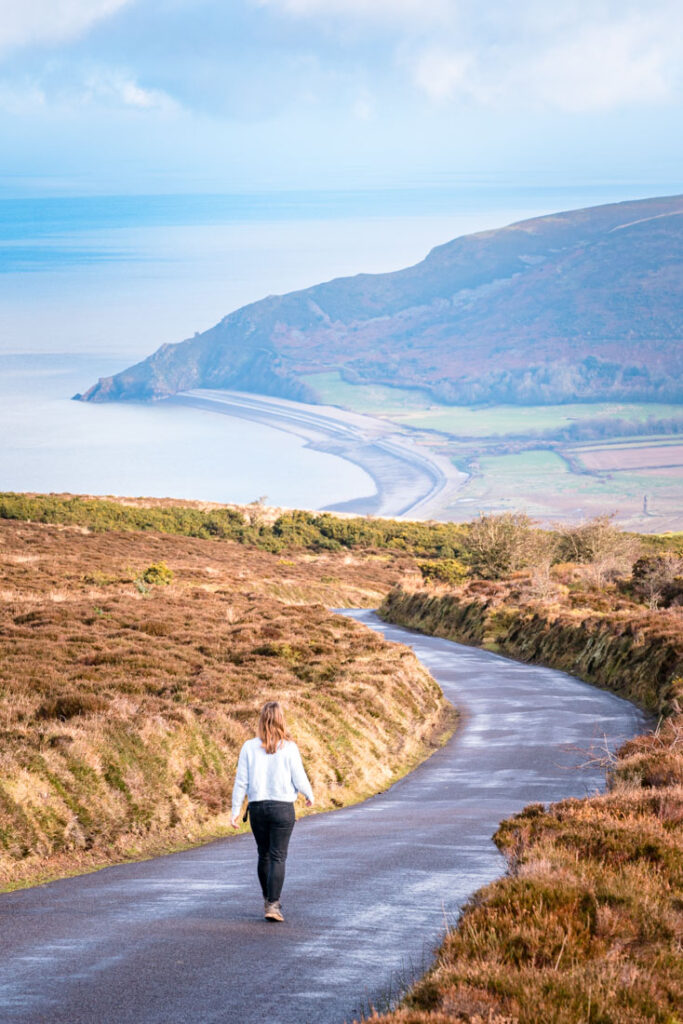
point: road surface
(181, 939)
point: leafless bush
(607, 551)
(501, 544)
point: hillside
(133, 665)
(583, 305)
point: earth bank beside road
(586, 925)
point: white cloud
(31, 22)
(602, 67)
(121, 89)
(417, 11)
(579, 55)
(109, 87)
(569, 63)
(442, 75)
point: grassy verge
(132, 669)
(587, 924)
(636, 653)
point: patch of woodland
(133, 666)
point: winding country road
(180, 939)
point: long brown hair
(271, 726)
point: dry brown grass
(123, 705)
(587, 926)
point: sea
(91, 284)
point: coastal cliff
(583, 305)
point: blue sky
(218, 95)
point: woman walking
(271, 775)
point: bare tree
(606, 550)
(500, 544)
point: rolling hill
(585, 305)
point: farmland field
(541, 483)
(632, 441)
(566, 479)
(416, 408)
(625, 458)
(368, 398)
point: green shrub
(445, 570)
(316, 532)
(157, 575)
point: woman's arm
(299, 776)
(239, 790)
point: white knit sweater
(262, 776)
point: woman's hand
(309, 803)
(235, 822)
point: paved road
(180, 939)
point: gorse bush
(158, 575)
(446, 570)
(103, 515)
(490, 547)
(297, 529)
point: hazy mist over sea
(89, 285)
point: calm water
(89, 285)
(53, 444)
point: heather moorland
(139, 638)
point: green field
(481, 441)
(368, 398)
(542, 484)
(635, 441)
(415, 408)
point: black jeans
(272, 822)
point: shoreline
(409, 481)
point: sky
(116, 96)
